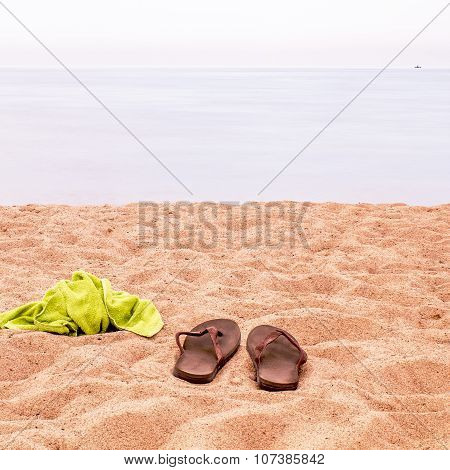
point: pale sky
(212, 33)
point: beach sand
(367, 296)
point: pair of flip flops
(276, 354)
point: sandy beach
(365, 291)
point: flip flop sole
(207, 379)
(269, 386)
(198, 363)
(278, 370)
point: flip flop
(277, 358)
(207, 348)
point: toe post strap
(213, 332)
(271, 337)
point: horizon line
(194, 67)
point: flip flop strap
(270, 338)
(214, 333)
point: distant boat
(417, 67)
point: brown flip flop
(207, 348)
(277, 358)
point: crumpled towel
(85, 304)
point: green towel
(87, 305)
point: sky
(232, 33)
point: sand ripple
(369, 301)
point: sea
(116, 136)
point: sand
(367, 297)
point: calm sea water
(225, 134)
